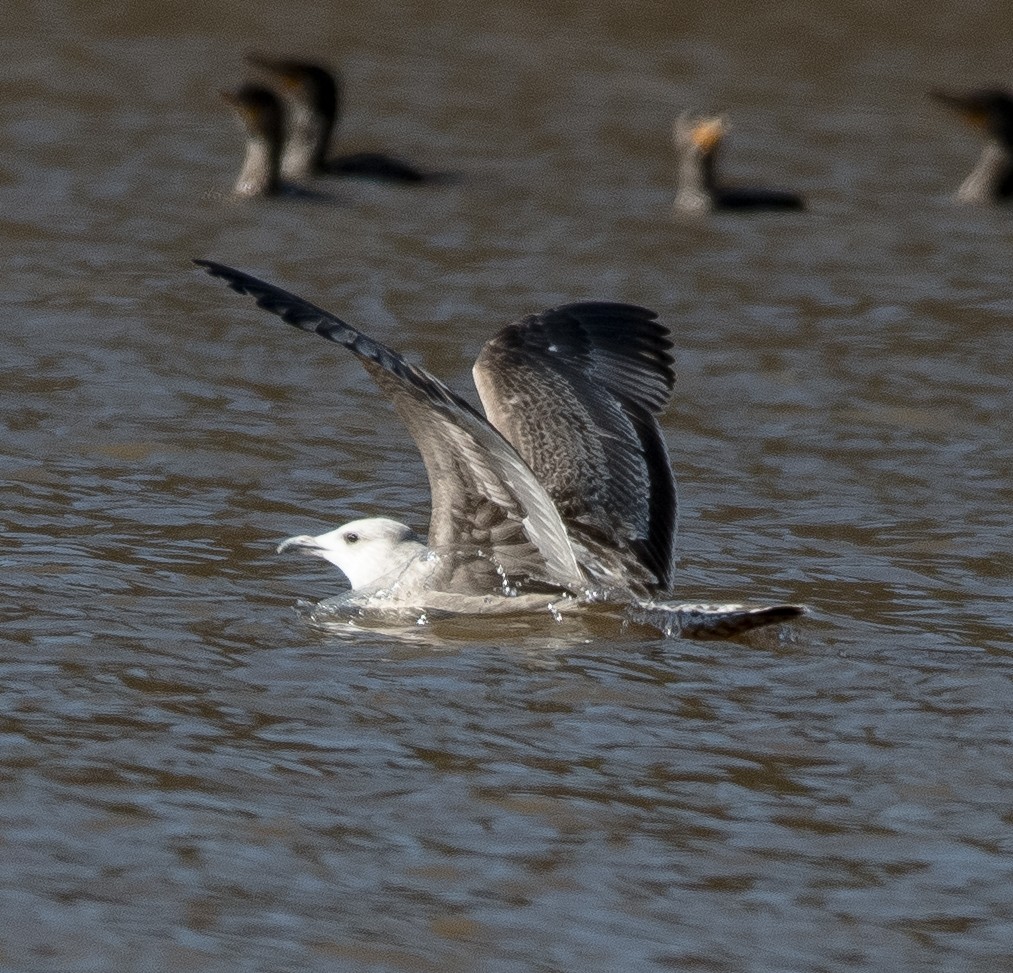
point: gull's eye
(351, 537)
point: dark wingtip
(291, 308)
(242, 283)
(216, 269)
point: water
(195, 779)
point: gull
(563, 492)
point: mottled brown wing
(576, 389)
(487, 504)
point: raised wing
(487, 504)
(576, 389)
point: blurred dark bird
(990, 111)
(313, 97)
(697, 142)
(261, 115)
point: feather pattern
(576, 389)
(485, 498)
(569, 480)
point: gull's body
(990, 112)
(564, 492)
(697, 142)
(313, 96)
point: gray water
(195, 779)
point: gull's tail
(716, 621)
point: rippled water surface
(195, 779)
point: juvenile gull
(564, 493)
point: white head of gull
(564, 492)
(367, 551)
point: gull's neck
(381, 566)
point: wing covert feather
(575, 389)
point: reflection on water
(196, 778)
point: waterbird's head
(306, 82)
(989, 110)
(259, 110)
(699, 135)
(365, 550)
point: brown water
(193, 779)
